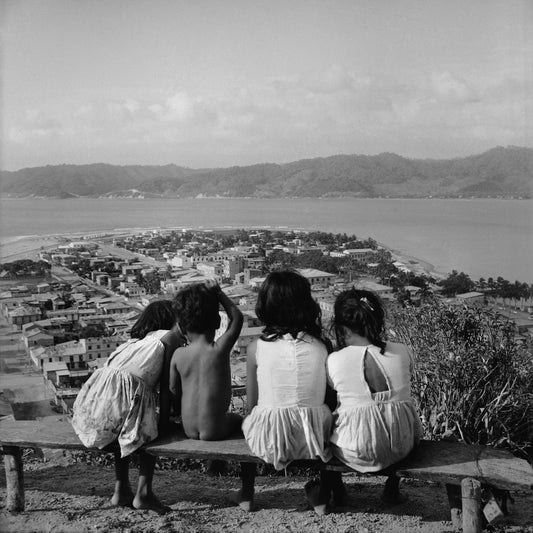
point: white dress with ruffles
(119, 401)
(290, 420)
(372, 430)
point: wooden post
(246, 494)
(454, 500)
(14, 478)
(471, 496)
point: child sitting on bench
(118, 402)
(200, 375)
(376, 422)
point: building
(23, 315)
(211, 270)
(361, 255)
(471, 298)
(317, 277)
(76, 354)
(383, 291)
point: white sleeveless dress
(119, 401)
(372, 430)
(291, 420)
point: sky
(217, 83)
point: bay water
(482, 237)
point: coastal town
(63, 312)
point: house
(361, 255)
(317, 277)
(471, 298)
(383, 291)
(36, 337)
(211, 270)
(23, 315)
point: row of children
(294, 382)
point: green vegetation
(495, 173)
(472, 381)
(25, 268)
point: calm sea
(480, 237)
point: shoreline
(16, 247)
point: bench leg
(471, 496)
(454, 500)
(14, 478)
(246, 494)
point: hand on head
(212, 285)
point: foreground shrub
(472, 380)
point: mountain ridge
(499, 172)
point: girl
(376, 423)
(118, 402)
(286, 381)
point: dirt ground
(65, 496)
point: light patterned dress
(119, 401)
(291, 420)
(372, 430)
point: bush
(472, 380)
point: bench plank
(447, 462)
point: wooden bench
(451, 463)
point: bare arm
(170, 341)
(175, 384)
(230, 336)
(252, 391)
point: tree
(456, 283)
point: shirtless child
(200, 372)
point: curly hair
(285, 305)
(157, 315)
(197, 309)
(361, 312)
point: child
(376, 423)
(286, 381)
(200, 373)
(118, 402)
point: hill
(500, 172)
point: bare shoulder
(252, 347)
(398, 348)
(181, 354)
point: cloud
(35, 123)
(318, 113)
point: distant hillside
(506, 172)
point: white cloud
(450, 88)
(332, 111)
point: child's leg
(145, 498)
(245, 498)
(391, 492)
(123, 495)
(333, 480)
(229, 425)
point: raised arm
(230, 336)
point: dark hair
(197, 309)
(285, 305)
(361, 312)
(157, 315)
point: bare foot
(315, 498)
(150, 503)
(245, 500)
(122, 497)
